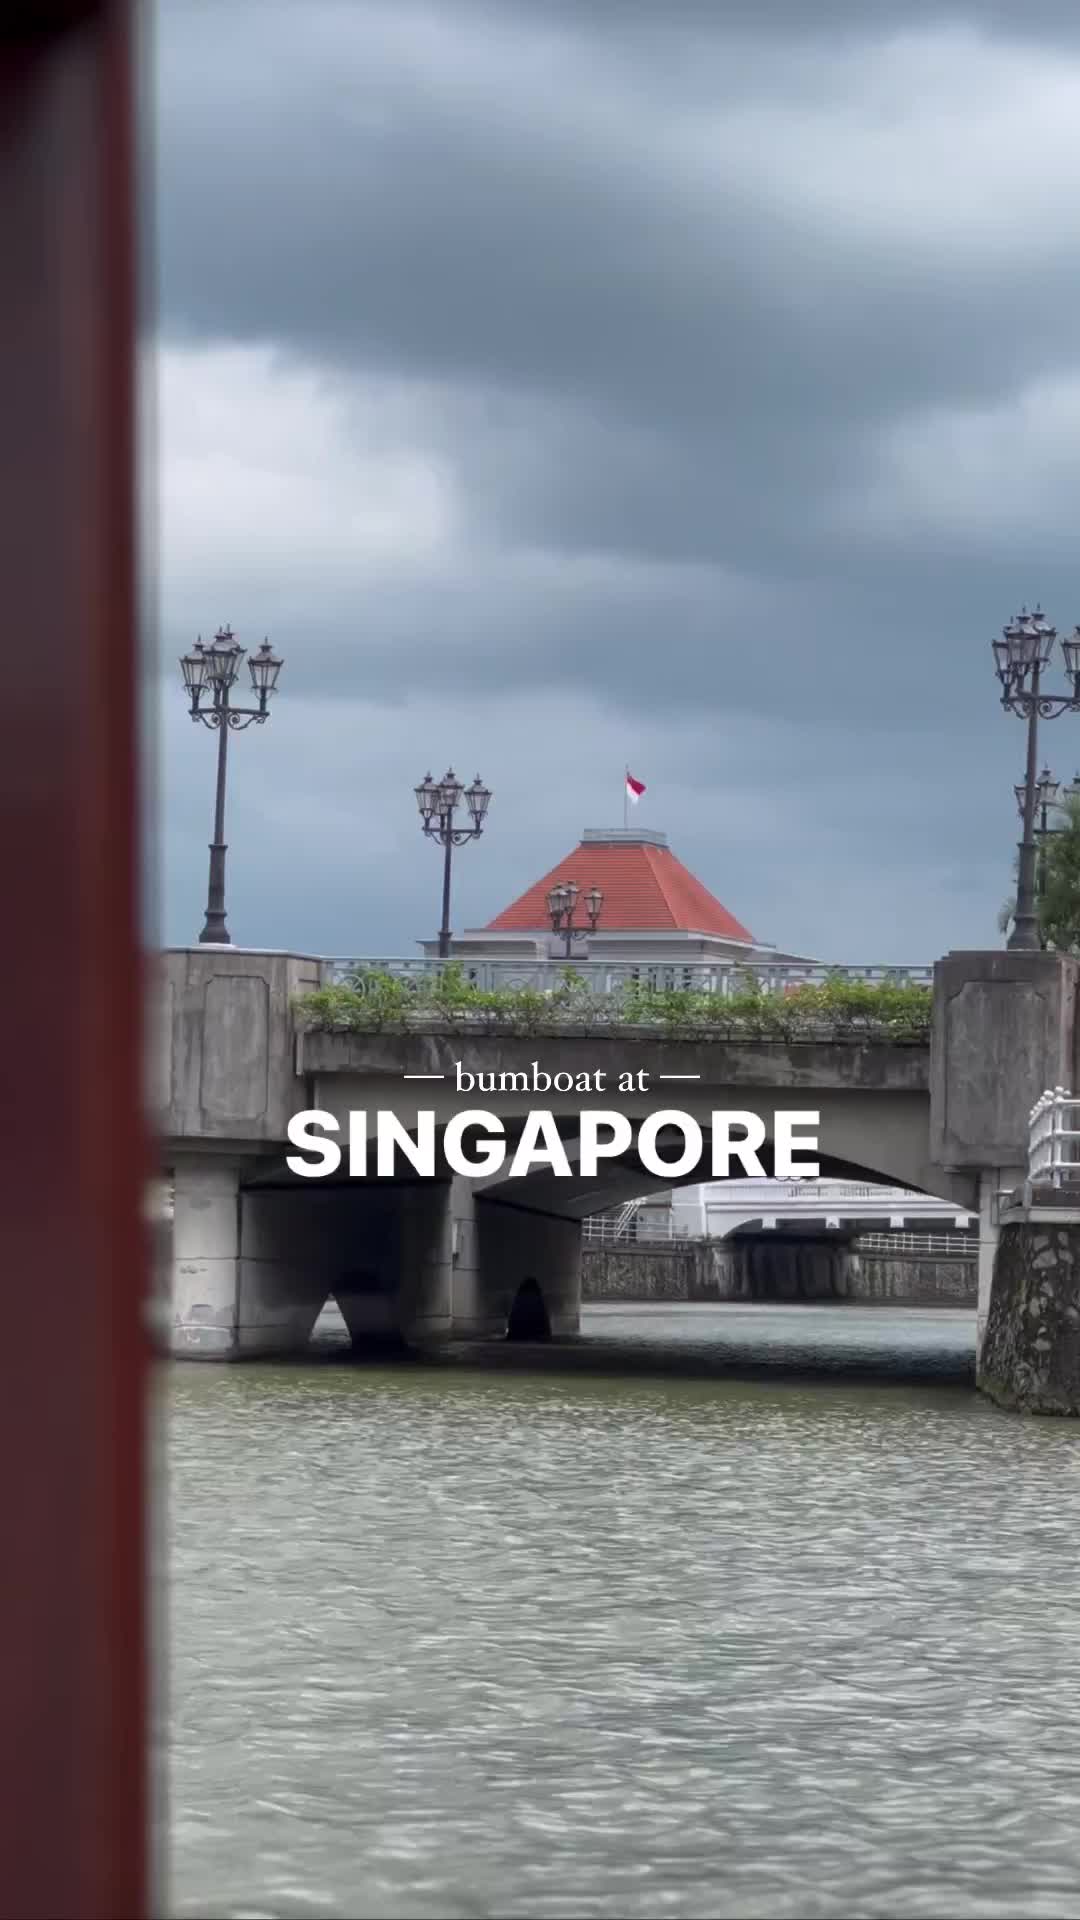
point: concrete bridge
(257, 1249)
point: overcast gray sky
(568, 383)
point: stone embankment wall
(701, 1270)
(916, 1280)
(706, 1270)
(1030, 1355)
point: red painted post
(73, 1153)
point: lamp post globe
(562, 901)
(1021, 656)
(438, 803)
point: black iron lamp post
(438, 802)
(1020, 657)
(210, 673)
(1050, 796)
(562, 901)
(1046, 793)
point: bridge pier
(455, 1263)
(1029, 1360)
(517, 1246)
(247, 1268)
(1004, 1029)
(243, 1282)
(436, 1258)
(989, 1234)
(251, 1267)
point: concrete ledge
(1040, 1213)
(786, 1065)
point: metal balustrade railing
(825, 1196)
(622, 1220)
(607, 977)
(957, 1244)
(610, 1230)
(628, 1229)
(1054, 1139)
(832, 1203)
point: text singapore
(474, 1144)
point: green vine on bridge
(838, 1008)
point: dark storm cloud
(709, 353)
(362, 213)
(695, 305)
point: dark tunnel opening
(528, 1315)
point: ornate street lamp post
(1049, 796)
(438, 801)
(562, 901)
(210, 673)
(1020, 657)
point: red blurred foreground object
(73, 1158)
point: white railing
(719, 1208)
(621, 1221)
(1054, 1139)
(606, 976)
(930, 1243)
(610, 1230)
(833, 1202)
(848, 1199)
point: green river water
(718, 1611)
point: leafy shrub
(372, 1001)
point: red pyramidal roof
(645, 889)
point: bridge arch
(880, 1143)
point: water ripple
(556, 1637)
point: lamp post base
(215, 933)
(1024, 937)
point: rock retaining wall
(1030, 1355)
(778, 1270)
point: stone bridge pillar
(1004, 1029)
(246, 1268)
(1030, 1358)
(516, 1246)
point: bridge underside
(252, 1263)
(256, 1251)
(869, 1133)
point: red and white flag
(634, 788)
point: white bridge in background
(719, 1208)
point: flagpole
(625, 802)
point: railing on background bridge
(824, 1196)
(626, 1228)
(725, 977)
(928, 1243)
(1054, 1139)
(608, 1230)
